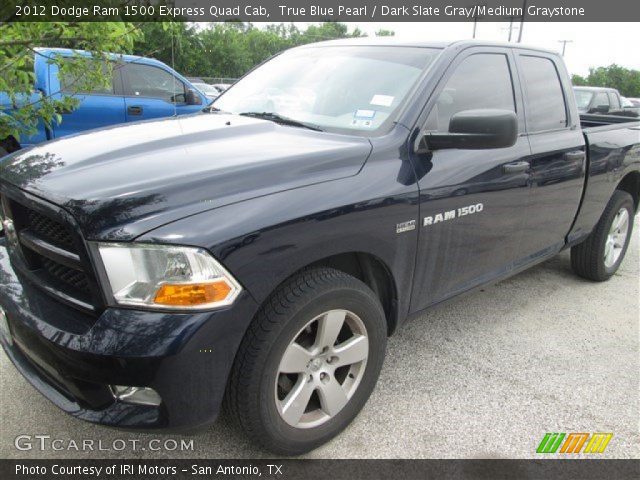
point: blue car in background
(141, 88)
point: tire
(306, 309)
(588, 258)
(8, 145)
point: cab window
(602, 99)
(76, 84)
(152, 82)
(480, 81)
(545, 105)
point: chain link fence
(213, 80)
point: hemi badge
(406, 226)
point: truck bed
(589, 122)
(613, 149)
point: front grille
(54, 256)
(49, 229)
(69, 276)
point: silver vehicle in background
(210, 91)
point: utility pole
(524, 11)
(475, 19)
(564, 45)
(510, 28)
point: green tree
(328, 31)
(385, 33)
(625, 80)
(175, 44)
(228, 49)
(578, 80)
(24, 108)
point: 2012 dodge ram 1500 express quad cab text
(259, 254)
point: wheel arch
(366, 267)
(630, 183)
(372, 271)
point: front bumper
(185, 357)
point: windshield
(583, 98)
(354, 88)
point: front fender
(265, 240)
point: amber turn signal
(191, 295)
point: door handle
(134, 110)
(576, 156)
(515, 167)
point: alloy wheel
(616, 238)
(321, 368)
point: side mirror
(475, 130)
(193, 98)
(601, 109)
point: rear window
(583, 98)
(613, 101)
(546, 108)
(602, 100)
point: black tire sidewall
(297, 440)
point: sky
(592, 44)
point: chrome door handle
(516, 167)
(576, 156)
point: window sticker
(382, 100)
(363, 118)
(364, 114)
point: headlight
(161, 276)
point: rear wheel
(600, 255)
(309, 361)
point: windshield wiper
(277, 118)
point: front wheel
(600, 255)
(309, 361)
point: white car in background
(221, 87)
(210, 91)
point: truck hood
(123, 181)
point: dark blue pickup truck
(260, 254)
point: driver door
(473, 203)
